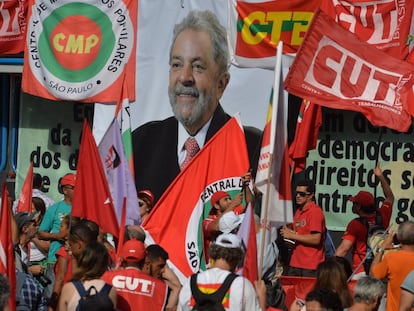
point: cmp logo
(77, 49)
(194, 238)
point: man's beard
(197, 110)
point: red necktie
(192, 148)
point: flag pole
(276, 86)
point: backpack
(372, 230)
(210, 302)
(93, 301)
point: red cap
(217, 196)
(364, 198)
(133, 250)
(68, 179)
(148, 194)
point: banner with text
(12, 26)
(49, 135)
(256, 27)
(78, 50)
(342, 164)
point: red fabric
(94, 205)
(309, 219)
(388, 33)
(13, 34)
(306, 135)
(137, 290)
(174, 223)
(7, 264)
(356, 232)
(25, 198)
(63, 253)
(410, 59)
(335, 69)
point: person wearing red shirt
(136, 289)
(355, 235)
(308, 232)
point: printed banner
(12, 26)
(256, 27)
(383, 23)
(79, 50)
(334, 68)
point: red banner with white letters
(12, 26)
(335, 69)
(383, 23)
(78, 50)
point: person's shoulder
(154, 126)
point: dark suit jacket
(155, 150)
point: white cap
(229, 221)
(228, 240)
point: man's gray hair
(405, 233)
(368, 290)
(208, 22)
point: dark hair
(309, 184)
(39, 206)
(4, 291)
(92, 263)
(93, 226)
(82, 232)
(232, 256)
(345, 264)
(328, 299)
(154, 251)
(330, 274)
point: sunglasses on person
(140, 204)
(302, 193)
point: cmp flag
(175, 221)
(77, 50)
(92, 198)
(118, 174)
(335, 69)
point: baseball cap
(133, 251)
(23, 218)
(68, 180)
(230, 221)
(217, 196)
(364, 198)
(148, 194)
(228, 240)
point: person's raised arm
(389, 196)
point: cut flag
(91, 198)
(306, 135)
(25, 199)
(118, 174)
(336, 69)
(247, 233)
(175, 221)
(7, 264)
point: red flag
(92, 198)
(247, 233)
(410, 101)
(121, 234)
(175, 221)
(25, 198)
(335, 69)
(7, 264)
(306, 135)
(13, 21)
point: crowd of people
(59, 258)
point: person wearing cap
(222, 203)
(355, 235)
(145, 202)
(50, 225)
(230, 222)
(308, 232)
(136, 289)
(30, 294)
(225, 253)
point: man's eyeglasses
(302, 194)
